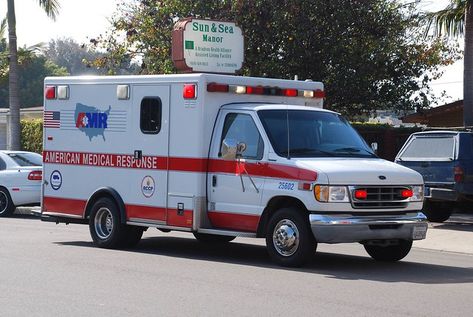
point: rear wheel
(437, 211)
(6, 204)
(212, 238)
(389, 252)
(289, 239)
(105, 227)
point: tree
(456, 20)
(369, 53)
(32, 69)
(51, 8)
(74, 57)
(79, 59)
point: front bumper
(443, 194)
(349, 228)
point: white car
(20, 180)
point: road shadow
(24, 216)
(336, 266)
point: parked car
(20, 180)
(445, 160)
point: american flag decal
(52, 119)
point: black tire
(389, 253)
(437, 211)
(6, 204)
(289, 239)
(132, 236)
(105, 227)
(212, 238)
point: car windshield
(26, 159)
(306, 133)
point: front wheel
(6, 204)
(437, 211)
(390, 252)
(289, 239)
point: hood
(358, 171)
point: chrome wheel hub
(286, 237)
(103, 223)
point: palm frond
(3, 28)
(51, 7)
(449, 21)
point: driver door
(234, 186)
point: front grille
(379, 197)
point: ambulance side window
(241, 128)
(150, 115)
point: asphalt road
(54, 270)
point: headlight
(325, 193)
(417, 193)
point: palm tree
(51, 8)
(456, 20)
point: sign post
(207, 46)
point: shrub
(32, 135)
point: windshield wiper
(306, 151)
(353, 150)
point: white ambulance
(221, 157)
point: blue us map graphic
(93, 121)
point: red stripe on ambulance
(182, 164)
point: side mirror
(231, 149)
(374, 146)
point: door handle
(138, 155)
(214, 180)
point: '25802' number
(286, 186)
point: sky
(82, 20)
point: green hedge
(32, 135)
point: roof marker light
(237, 89)
(123, 92)
(63, 92)
(290, 92)
(255, 90)
(189, 91)
(214, 87)
(319, 93)
(307, 93)
(50, 92)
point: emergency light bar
(268, 91)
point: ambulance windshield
(305, 133)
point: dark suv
(445, 160)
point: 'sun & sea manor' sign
(207, 46)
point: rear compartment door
(150, 148)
